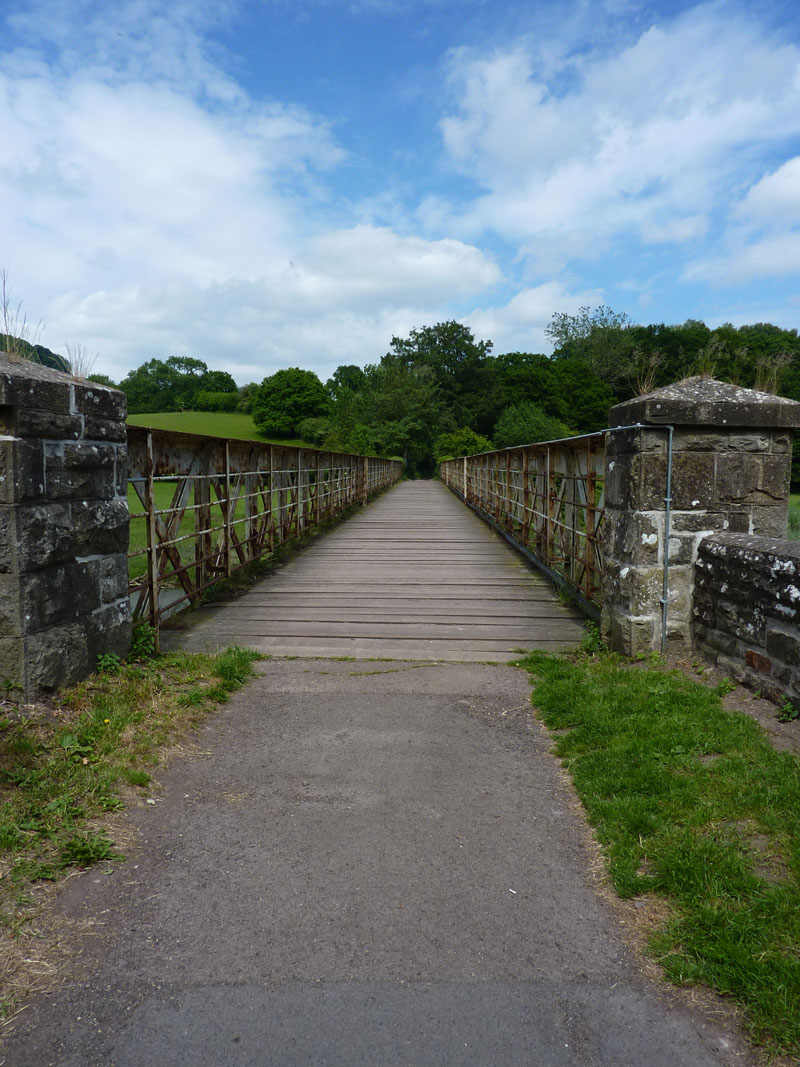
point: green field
(163, 494)
(212, 423)
(794, 517)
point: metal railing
(548, 499)
(203, 507)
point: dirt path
(367, 864)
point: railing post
(329, 487)
(251, 509)
(316, 492)
(551, 502)
(201, 497)
(298, 508)
(152, 542)
(270, 507)
(509, 508)
(589, 523)
(526, 499)
(568, 495)
(227, 517)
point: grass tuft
(794, 517)
(692, 805)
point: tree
(398, 411)
(153, 386)
(601, 337)
(102, 379)
(346, 377)
(463, 442)
(205, 400)
(217, 381)
(578, 397)
(287, 397)
(314, 431)
(526, 423)
(460, 366)
(189, 375)
(246, 397)
(165, 385)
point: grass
(692, 805)
(164, 491)
(63, 771)
(211, 424)
(794, 517)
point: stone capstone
(707, 402)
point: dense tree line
(179, 383)
(441, 392)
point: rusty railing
(548, 499)
(203, 507)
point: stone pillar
(63, 528)
(731, 462)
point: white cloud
(775, 199)
(153, 208)
(762, 239)
(519, 325)
(368, 264)
(339, 301)
(147, 178)
(644, 142)
(773, 256)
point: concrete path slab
(414, 575)
(365, 864)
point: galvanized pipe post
(227, 517)
(152, 541)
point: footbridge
(414, 575)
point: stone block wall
(730, 472)
(747, 611)
(63, 527)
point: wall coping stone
(24, 383)
(703, 401)
(764, 546)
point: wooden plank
(487, 617)
(424, 631)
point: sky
(270, 183)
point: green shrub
(208, 401)
(526, 423)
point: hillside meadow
(213, 423)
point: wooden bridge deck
(415, 575)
